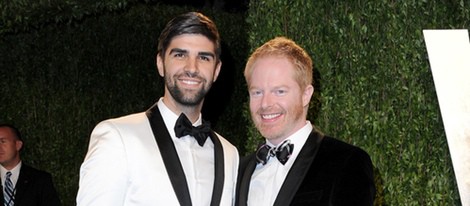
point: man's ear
(217, 70)
(18, 145)
(308, 92)
(160, 67)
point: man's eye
(205, 58)
(256, 93)
(280, 92)
(178, 55)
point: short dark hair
(15, 130)
(189, 23)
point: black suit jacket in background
(34, 188)
(327, 172)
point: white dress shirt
(267, 179)
(197, 162)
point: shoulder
(335, 149)
(131, 122)
(114, 134)
(348, 171)
(335, 145)
(130, 119)
(34, 173)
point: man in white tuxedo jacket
(166, 155)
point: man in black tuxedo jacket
(297, 165)
(28, 186)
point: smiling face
(9, 148)
(189, 67)
(278, 104)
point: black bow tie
(184, 127)
(282, 152)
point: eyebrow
(184, 51)
(178, 50)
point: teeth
(270, 116)
(189, 82)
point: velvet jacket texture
(327, 171)
(34, 188)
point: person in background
(167, 155)
(22, 185)
(297, 164)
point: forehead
(272, 68)
(191, 42)
(6, 132)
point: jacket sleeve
(103, 174)
(50, 196)
(355, 186)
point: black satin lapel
(169, 156)
(244, 181)
(219, 170)
(299, 169)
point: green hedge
(374, 85)
(25, 15)
(59, 79)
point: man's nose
(191, 66)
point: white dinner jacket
(124, 166)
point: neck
(191, 111)
(10, 165)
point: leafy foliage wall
(66, 65)
(374, 86)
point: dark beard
(180, 97)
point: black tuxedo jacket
(34, 188)
(326, 172)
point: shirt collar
(169, 117)
(15, 171)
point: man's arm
(104, 173)
(356, 184)
(49, 193)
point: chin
(268, 135)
